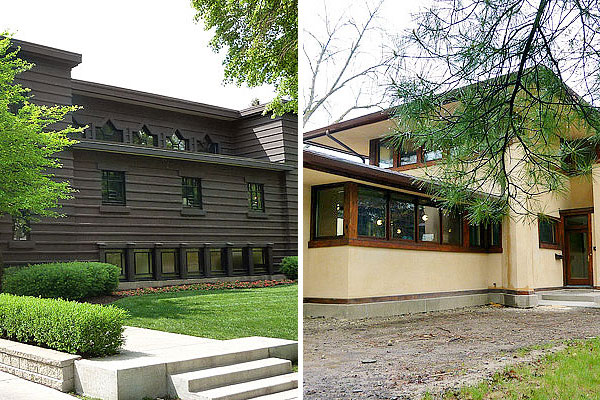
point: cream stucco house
(375, 244)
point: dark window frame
(105, 187)
(258, 189)
(557, 228)
(313, 213)
(351, 237)
(374, 151)
(138, 135)
(191, 183)
(21, 228)
(176, 146)
(100, 129)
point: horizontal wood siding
(153, 212)
(154, 201)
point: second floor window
(191, 191)
(143, 137)
(256, 194)
(21, 227)
(109, 133)
(177, 142)
(113, 187)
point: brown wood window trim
(557, 235)
(374, 146)
(350, 236)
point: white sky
(149, 45)
(395, 17)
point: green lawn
(571, 374)
(220, 314)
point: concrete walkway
(13, 388)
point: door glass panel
(578, 255)
(577, 220)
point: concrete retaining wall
(44, 366)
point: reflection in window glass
(496, 239)
(109, 133)
(193, 261)
(547, 231)
(402, 214)
(451, 228)
(432, 155)
(475, 235)
(329, 217)
(216, 265)
(143, 137)
(429, 224)
(21, 227)
(408, 154)
(386, 156)
(258, 257)
(177, 142)
(238, 260)
(116, 257)
(143, 263)
(168, 258)
(372, 219)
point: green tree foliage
(261, 40)
(28, 145)
(485, 82)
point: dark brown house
(166, 188)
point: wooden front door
(578, 249)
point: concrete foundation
(390, 308)
(188, 281)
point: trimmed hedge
(289, 266)
(90, 330)
(71, 281)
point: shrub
(71, 281)
(89, 330)
(289, 266)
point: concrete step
(234, 351)
(195, 381)
(252, 389)
(586, 296)
(560, 303)
(287, 395)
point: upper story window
(386, 155)
(432, 155)
(21, 227)
(191, 191)
(408, 155)
(208, 146)
(113, 187)
(143, 137)
(548, 231)
(256, 197)
(576, 152)
(328, 211)
(177, 142)
(109, 133)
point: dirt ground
(404, 357)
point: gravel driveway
(405, 356)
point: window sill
(549, 246)
(21, 244)
(258, 215)
(190, 211)
(110, 209)
(399, 244)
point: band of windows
(388, 216)
(153, 263)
